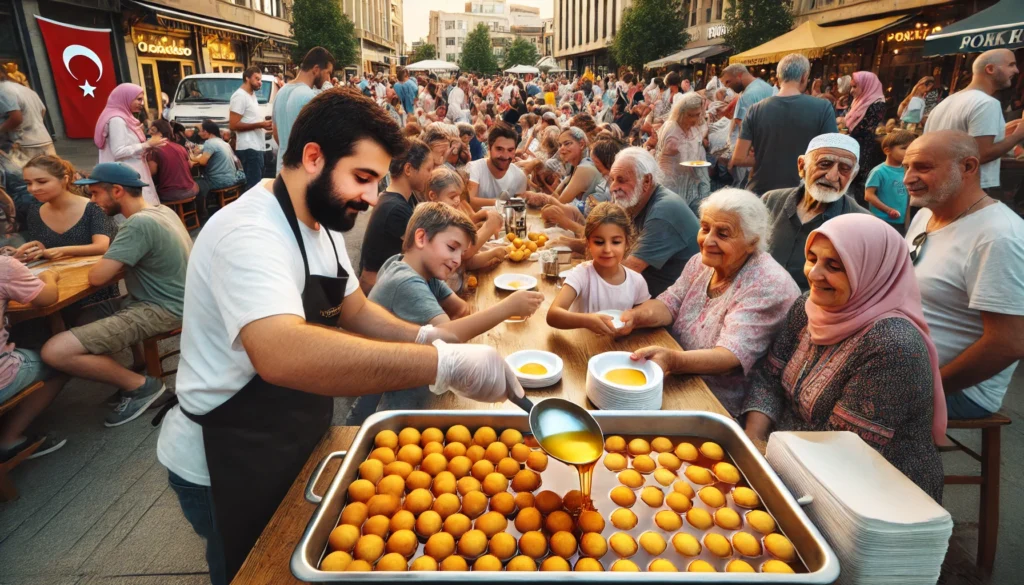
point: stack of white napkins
(882, 526)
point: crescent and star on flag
(73, 51)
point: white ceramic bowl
(611, 396)
(615, 315)
(552, 362)
(505, 281)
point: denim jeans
(252, 164)
(197, 504)
(960, 407)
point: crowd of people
(771, 227)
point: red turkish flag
(83, 72)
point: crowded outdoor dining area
(750, 304)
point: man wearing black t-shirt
(410, 174)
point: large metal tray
(819, 559)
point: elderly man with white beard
(827, 169)
(665, 224)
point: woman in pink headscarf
(866, 112)
(855, 353)
(122, 138)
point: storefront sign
(914, 34)
(163, 49)
(991, 40)
(716, 31)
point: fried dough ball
(623, 519)
(684, 488)
(623, 544)
(572, 501)
(379, 525)
(453, 450)
(664, 476)
(653, 543)
(669, 461)
(508, 467)
(652, 496)
(475, 453)
(558, 521)
(717, 544)
(615, 462)
(700, 566)
(446, 504)
(586, 564)
(761, 521)
(503, 503)
(662, 566)
(555, 564)
(524, 500)
(434, 463)
(590, 521)
(519, 452)
(385, 504)
(402, 520)
(521, 563)
(533, 544)
(431, 435)
(392, 562)
(371, 470)
(624, 566)
(428, 524)
(668, 520)
(440, 545)
(484, 436)
(391, 484)
(746, 544)
(699, 518)
(468, 484)
(382, 454)
(458, 434)
(548, 501)
(399, 468)
(495, 452)
(432, 447)
(343, 537)
(495, 483)
(726, 472)
(615, 444)
(491, 523)
(387, 439)
(336, 561)
(531, 442)
(444, 483)
(408, 436)
(457, 525)
(359, 566)
(662, 445)
(738, 566)
(563, 544)
(728, 518)
(780, 547)
(454, 563)
(418, 480)
(474, 503)
(711, 496)
(473, 544)
(481, 469)
(403, 542)
(361, 490)
(774, 566)
(537, 460)
(699, 475)
(502, 545)
(487, 563)
(369, 547)
(644, 464)
(525, 480)
(631, 478)
(459, 466)
(423, 563)
(511, 437)
(712, 451)
(638, 447)
(686, 544)
(678, 502)
(354, 514)
(686, 451)
(745, 497)
(529, 520)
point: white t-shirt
(514, 180)
(245, 266)
(974, 264)
(32, 132)
(594, 293)
(246, 105)
(976, 113)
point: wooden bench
(988, 511)
(225, 195)
(149, 355)
(189, 216)
(7, 490)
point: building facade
(549, 38)
(378, 48)
(398, 30)
(583, 31)
(706, 22)
(448, 30)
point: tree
(651, 29)
(477, 53)
(754, 22)
(423, 52)
(522, 52)
(320, 23)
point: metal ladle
(555, 416)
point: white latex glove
(428, 334)
(477, 372)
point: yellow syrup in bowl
(533, 369)
(626, 377)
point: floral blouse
(743, 318)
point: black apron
(257, 442)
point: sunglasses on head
(918, 242)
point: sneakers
(51, 442)
(136, 402)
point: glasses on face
(918, 242)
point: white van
(207, 95)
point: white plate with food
(535, 368)
(514, 281)
(695, 163)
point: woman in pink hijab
(855, 353)
(122, 138)
(866, 112)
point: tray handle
(310, 496)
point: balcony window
(718, 9)
(449, 42)
(449, 25)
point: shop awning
(997, 27)
(812, 40)
(207, 22)
(686, 55)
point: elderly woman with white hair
(727, 305)
(681, 140)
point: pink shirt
(16, 283)
(594, 293)
(743, 318)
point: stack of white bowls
(550, 361)
(608, 395)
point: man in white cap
(826, 168)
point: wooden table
(73, 286)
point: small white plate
(514, 281)
(616, 317)
(552, 362)
(695, 163)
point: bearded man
(826, 168)
(666, 226)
